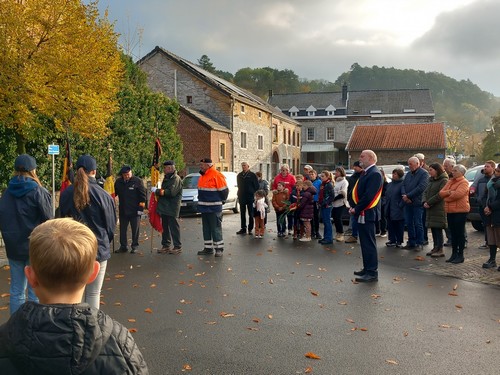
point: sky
(319, 39)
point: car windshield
(471, 174)
(190, 182)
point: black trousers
(246, 208)
(134, 226)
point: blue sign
(53, 149)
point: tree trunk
(20, 144)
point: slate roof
(430, 136)
(218, 83)
(320, 100)
(205, 120)
(361, 102)
(390, 101)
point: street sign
(53, 149)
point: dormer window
(409, 110)
(375, 111)
(294, 111)
(330, 110)
(311, 111)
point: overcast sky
(320, 38)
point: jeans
(281, 222)
(413, 219)
(18, 284)
(354, 226)
(92, 293)
(326, 214)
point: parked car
(473, 174)
(189, 203)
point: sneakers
(490, 264)
(290, 233)
(134, 250)
(242, 231)
(351, 239)
(484, 246)
(305, 239)
(383, 234)
(258, 236)
(339, 237)
(218, 253)
(390, 244)
(206, 252)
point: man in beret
(131, 195)
(212, 193)
(169, 206)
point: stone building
(328, 119)
(257, 132)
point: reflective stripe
(219, 203)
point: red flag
(154, 217)
(67, 176)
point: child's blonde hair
(62, 254)
(299, 177)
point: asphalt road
(267, 303)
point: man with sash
(366, 210)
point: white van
(189, 203)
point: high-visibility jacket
(212, 191)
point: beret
(169, 162)
(24, 163)
(125, 169)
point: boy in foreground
(61, 335)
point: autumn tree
(59, 60)
(491, 143)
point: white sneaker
(305, 239)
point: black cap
(356, 164)
(169, 162)
(87, 162)
(206, 160)
(25, 163)
(125, 169)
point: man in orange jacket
(212, 193)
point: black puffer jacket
(67, 339)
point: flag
(109, 183)
(67, 175)
(154, 217)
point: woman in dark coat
(24, 205)
(492, 212)
(394, 209)
(90, 204)
(434, 208)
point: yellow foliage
(59, 59)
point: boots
(438, 253)
(452, 257)
(459, 258)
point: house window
(293, 138)
(242, 109)
(293, 114)
(189, 99)
(260, 114)
(310, 134)
(375, 111)
(329, 113)
(289, 137)
(275, 133)
(330, 134)
(298, 139)
(243, 143)
(222, 151)
(260, 142)
(311, 113)
(284, 136)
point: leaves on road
(312, 355)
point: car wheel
(477, 225)
(236, 207)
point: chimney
(344, 92)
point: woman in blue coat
(24, 205)
(88, 203)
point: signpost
(53, 150)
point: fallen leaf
(391, 362)
(186, 367)
(349, 320)
(226, 315)
(363, 329)
(271, 281)
(458, 306)
(148, 310)
(419, 258)
(405, 333)
(488, 341)
(211, 323)
(119, 276)
(244, 282)
(132, 330)
(314, 293)
(445, 326)
(455, 287)
(308, 333)
(3, 308)
(152, 286)
(117, 304)
(3, 295)
(252, 328)
(312, 355)
(269, 316)
(179, 312)
(453, 294)
(256, 320)
(308, 370)
(376, 296)
(131, 320)
(342, 303)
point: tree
(205, 63)
(59, 60)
